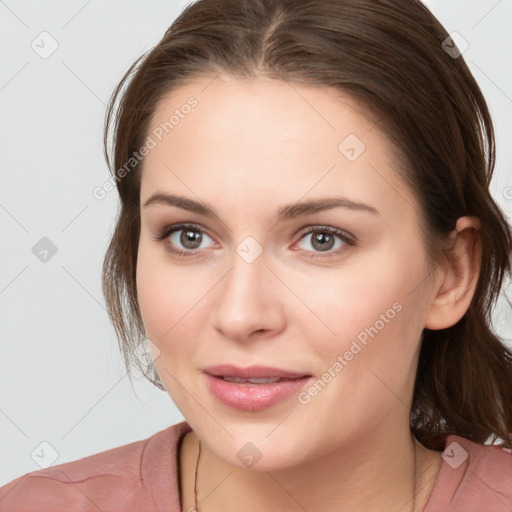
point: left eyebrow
(303, 208)
(285, 212)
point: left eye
(323, 240)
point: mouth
(254, 388)
(269, 380)
(256, 374)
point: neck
(366, 475)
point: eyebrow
(285, 212)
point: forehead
(263, 111)
(231, 138)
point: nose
(249, 301)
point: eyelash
(170, 229)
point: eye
(187, 236)
(324, 239)
(190, 237)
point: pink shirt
(142, 476)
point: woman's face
(337, 292)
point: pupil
(192, 237)
(324, 240)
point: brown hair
(388, 55)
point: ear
(458, 278)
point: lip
(253, 397)
(251, 372)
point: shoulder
(473, 477)
(117, 479)
(490, 468)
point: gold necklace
(196, 507)
(195, 478)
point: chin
(259, 455)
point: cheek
(369, 312)
(150, 292)
(171, 299)
(157, 291)
(346, 300)
(165, 302)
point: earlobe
(459, 276)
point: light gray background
(61, 375)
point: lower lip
(253, 397)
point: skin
(247, 148)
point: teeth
(268, 380)
(233, 379)
(264, 381)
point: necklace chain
(196, 506)
(195, 479)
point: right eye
(188, 236)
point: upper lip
(251, 372)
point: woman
(308, 243)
